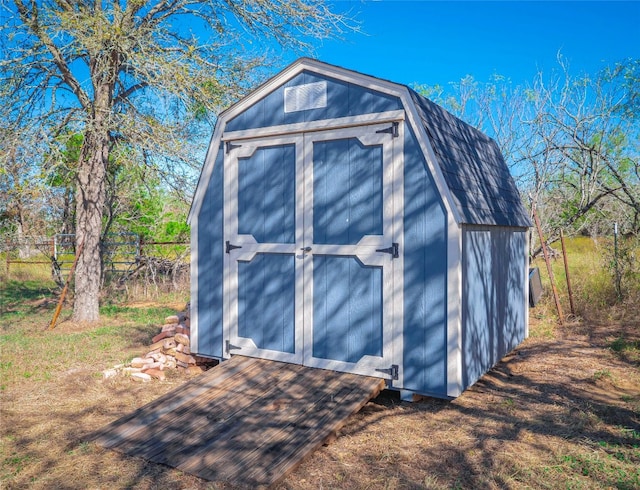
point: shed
(345, 222)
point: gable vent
(305, 97)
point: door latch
(392, 371)
(394, 250)
(229, 247)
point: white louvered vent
(304, 97)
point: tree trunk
(89, 207)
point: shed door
(313, 281)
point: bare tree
(142, 73)
(572, 142)
(588, 135)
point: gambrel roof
(473, 168)
(467, 166)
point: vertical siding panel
(347, 191)
(425, 277)
(266, 299)
(494, 300)
(211, 264)
(347, 321)
(266, 195)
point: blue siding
(211, 264)
(347, 191)
(266, 194)
(266, 301)
(343, 99)
(425, 277)
(493, 298)
(347, 309)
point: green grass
(612, 469)
(592, 281)
(29, 351)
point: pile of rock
(170, 349)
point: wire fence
(125, 257)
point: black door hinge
(229, 247)
(228, 346)
(393, 250)
(230, 146)
(393, 130)
(392, 371)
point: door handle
(306, 249)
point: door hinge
(228, 346)
(392, 130)
(392, 371)
(229, 247)
(394, 250)
(230, 146)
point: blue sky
(433, 43)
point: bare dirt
(561, 411)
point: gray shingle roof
(473, 168)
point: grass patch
(591, 276)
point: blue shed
(345, 222)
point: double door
(313, 248)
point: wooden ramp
(248, 422)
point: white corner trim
(454, 307)
(193, 298)
(207, 171)
(526, 283)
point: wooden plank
(219, 412)
(159, 430)
(248, 422)
(250, 431)
(121, 428)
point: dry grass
(562, 411)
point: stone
(195, 370)
(169, 344)
(151, 365)
(109, 373)
(159, 357)
(185, 358)
(137, 362)
(144, 377)
(156, 373)
(173, 319)
(162, 335)
(181, 338)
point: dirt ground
(561, 411)
(556, 413)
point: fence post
(615, 262)
(556, 298)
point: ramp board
(247, 421)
